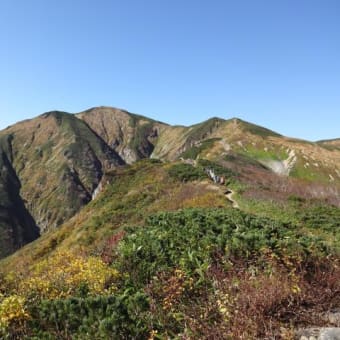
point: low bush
(192, 274)
(191, 240)
(186, 172)
(219, 170)
(122, 315)
(62, 275)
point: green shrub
(103, 317)
(219, 170)
(186, 172)
(191, 239)
(322, 217)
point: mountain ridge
(234, 118)
(60, 159)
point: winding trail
(211, 175)
(229, 195)
(221, 181)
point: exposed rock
(333, 317)
(17, 227)
(329, 334)
(316, 333)
(282, 167)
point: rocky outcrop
(282, 167)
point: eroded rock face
(282, 167)
(17, 227)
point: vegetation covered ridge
(187, 274)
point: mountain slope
(59, 161)
(178, 270)
(174, 247)
(330, 144)
(132, 136)
(132, 193)
(216, 139)
(129, 195)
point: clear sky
(274, 63)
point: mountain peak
(254, 128)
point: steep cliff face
(17, 227)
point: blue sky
(274, 63)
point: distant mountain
(330, 143)
(54, 164)
(216, 138)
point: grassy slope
(331, 144)
(133, 194)
(198, 268)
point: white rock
(329, 334)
